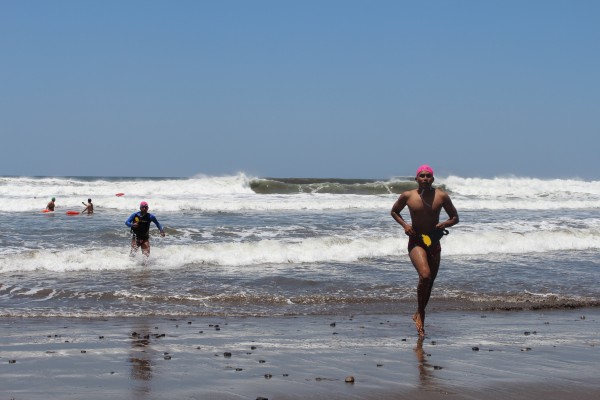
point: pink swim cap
(425, 168)
(143, 204)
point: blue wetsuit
(142, 232)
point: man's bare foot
(419, 324)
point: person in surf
(139, 222)
(50, 206)
(424, 232)
(89, 207)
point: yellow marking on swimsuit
(426, 240)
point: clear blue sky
(362, 89)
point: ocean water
(248, 246)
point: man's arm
(397, 208)
(130, 220)
(158, 225)
(452, 214)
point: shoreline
(465, 355)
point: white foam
(523, 193)
(233, 193)
(248, 254)
(500, 243)
(212, 194)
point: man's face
(144, 209)
(425, 179)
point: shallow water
(232, 251)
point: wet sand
(471, 355)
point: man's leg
(146, 248)
(427, 268)
(134, 247)
(434, 266)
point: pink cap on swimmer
(143, 204)
(425, 168)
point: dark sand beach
(471, 355)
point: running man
(139, 222)
(425, 204)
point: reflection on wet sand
(141, 363)
(425, 368)
(141, 353)
(141, 360)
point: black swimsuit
(430, 242)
